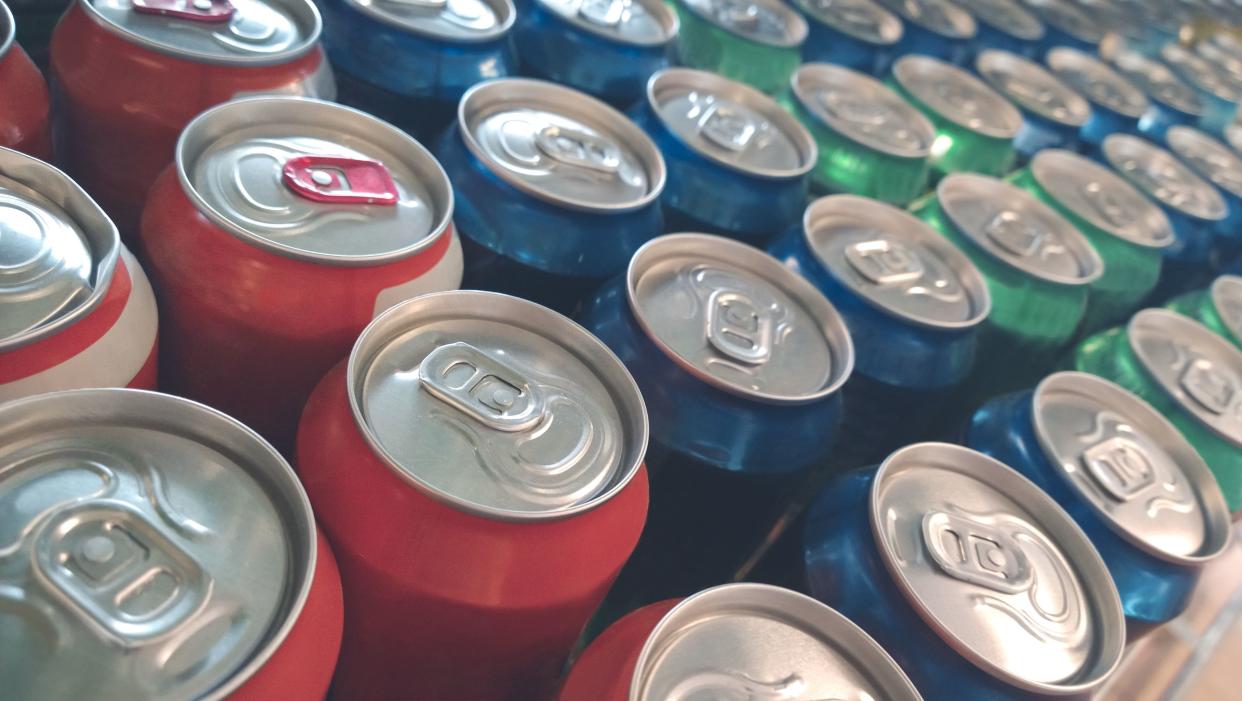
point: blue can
(1117, 104)
(936, 28)
(1171, 100)
(973, 579)
(605, 48)
(1218, 164)
(857, 34)
(737, 162)
(1219, 94)
(1124, 473)
(1004, 25)
(1052, 113)
(409, 63)
(1066, 24)
(1123, 24)
(554, 190)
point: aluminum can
(1004, 25)
(757, 42)
(1219, 95)
(1052, 112)
(555, 190)
(408, 62)
(1129, 231)
(1117, 105)
(973, 579)
(737, 163)
(1066, 24)
(477, 465)
(158, 550)
(1122, 24)
(975, 126)
(1218, 307)
(128, 76)
(781, 644)
(1123, 472)
(740, 361)
(871, 141)
(1215, 162)
(77, 308)
(1171, 100)
(858, 34)
(284, 226)
(936, 28)
(608, 49)
(23, 96)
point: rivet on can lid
(1033, 88)
(1096, 81)
(865, 20)
(957, 96)
(1068, 18)
(633, 22)
(940, 16)
(448, 21)
(863, 109)
(768, 22)
(1208, 157)
(1226, 293)
(1007, 16)
(1158, 81)
(193, 11)
(1163, 177)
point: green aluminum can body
(1219, 307)
(761, 49)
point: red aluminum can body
(23, 104)
(605, 670)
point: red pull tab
(193, 10)
(340, 180)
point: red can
(737, 641)
(282, 228)
(160, 550)
(23, 96)
(477, 464)
(130, 74)
(76, 309)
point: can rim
(1217, 294)
(878, 91)
(991, 62)
(1063, 58)
(1140, 149)
(914, 69)
(505, 10)
(1139, 65)
(1219, 89)
(1032, 22)
(1180, 136)
(796, 27)
(508, 310)
(670, 23)
(8, 29)
(667, 79)
(889, 32)
(963, 22)
(1088, 32)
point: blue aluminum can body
(921, 40)
(1038, 133)
(1161, 116)
(827, 44)
(991, 37)
(1056, 36)
(1105, 121)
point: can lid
(1068, 18)
(1199, 369)
(496, 406)
(560, 145)
(1163, 177)
(863, 109)
(634, 22)
(1033, 88)
(757, 641)
(957, 96)
(1014, 227)
(230, 32)
(769, 22)
(450, 21)
(1102, 197)
(1158, 81)
(862, 19)
(1094, 80)
(123, 515)
(731, 123)
(939, 16)
(735, 318)
(1208, 157)
(1221, 58)
(896, 262)
(1007, 16)
(314, 181)
(57, 250)
(1226, 292)
(996, 568)
(1198, 72)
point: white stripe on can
(444, 275)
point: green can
(1219, 307)
(975, 125)
(1189, 374)
(757, 42)
(871, 142)
(1126, 228)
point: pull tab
(481, 386)
(340, 180)
(1107, 205)
(1211, 389)
(1011, 233)
(1120, 467)
(884, 262)
(579, 149)
(727, 126)
(976, 552)
(738, 328)
(192, 10)
(605, 13)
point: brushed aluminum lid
(896, 262)
(863, 109)
(997, 569)
(1014, 227)
(1158, 81)
(754, 641)
(1006, 15)
(1132, 466)
(451, 21)
(1226, 293)
(957, 96)
(1033, 88)
(1199, 369)
(1207, 157)
(497, 406)
(153, 548)
(1199, 73)
(1161, 176)
(731, 124)
(1102, 197)
(314, 181)
(560, 145)
(634, 22)
(861, 19)
(735, 318)
(770, 22)
(1068, 18)
(1096, 81)
(939, 16)
(242, 32)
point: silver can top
(862, 19)
(1132, 466)
(996, 568)
(1201, 74)
(496, 406)
(895, 262)
(1161, 176)
(731, 124)
(1033, 88)
(1006, 15)
(634, 22)
(58, 250)
(1014, 227)
(1102, 197)
(450, 21)
(1094, 80)
(230, 32)
(754, 641)
(939, 16)
(560, 145)
(314, 181)
(8, 29)
(863, 109)
(1208, 157)
(155, 548)
(1158, 81)
(1199, 369)
(957, 96)
(770, 22)
(1068, 18)
(1226, 293)
(735, 318)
